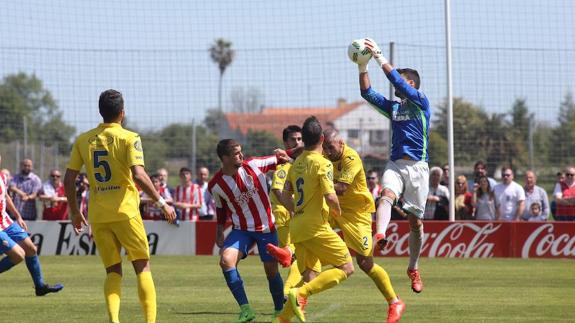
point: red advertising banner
(463, 239)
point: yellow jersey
(281, 214)
(349, 170)
(311, 177)
(108, 152)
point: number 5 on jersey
(299, 187)
(99, 161)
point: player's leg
(236, 247)
(415, 196)
(132, 236)
(109, 250)
(275, 281)
(21, 237)
(14, 253)
(392, 188)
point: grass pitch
(192, 289)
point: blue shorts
(244, 240)
(11, 236)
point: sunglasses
(55, 176)
(372, 178)
(506, 175)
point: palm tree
(222, 54)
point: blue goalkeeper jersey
(409, 119)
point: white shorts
(410, 179)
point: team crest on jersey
(330, 175)
(138, 145)
(282, 174)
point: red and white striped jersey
(189, 194)
(245, 195)
(376, 191)
(5, 221)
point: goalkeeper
(407, 171)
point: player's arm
(14, 211)
(325, 174)
(520, 210)
(286, 197)
(78, 219)
(350, 168)
(143, 180)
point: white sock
(383, 214)
(415, 241)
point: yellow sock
(325, 280)
(382, 281)
(112, 293)
(293, 278)
(147, 295)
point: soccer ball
(357, 52)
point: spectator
(463, 203)
(535, 194)
(509, 198)
(565, 196)
(83, 193)
(54, 198)
(188, 197)
(25, 187)
(445, 176)
(437, 205)
(6, 174)
(484, 200)
(164, 176)
(535, 214)
(560, 178)
(373, 184)
(150, 210)
(479, 169)
(208, 208)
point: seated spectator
(534, 194)
(188, 197)
(534, 213)
(25, 187)
(53, 198)
(509, 198)
(150, 211)
(479, 169)
(437, 205)
(208, 208)
(484, 200)
(463, 204)
(564, 194)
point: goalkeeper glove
(375, 52)
(362, 67)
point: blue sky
(293, 52)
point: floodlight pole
(449, 112)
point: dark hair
(371, 171)
(311, 131)
(504, 168)
(185, 170)
(155, 176)
(480, 190)
(289, 130)
(480, 163)
(111, 104)
(411, 74)
(225, 147)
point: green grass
(192, 289)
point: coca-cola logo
(457, 240)
(545, 243)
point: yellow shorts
(129, 234)
(327, 248)
(356, 234)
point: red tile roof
(274, 120)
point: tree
(563, 136)
(23, 98)
(260, 143)
(246, 100)
(437, 149)
(155, 151)
(222, 54)
(178, 140)
(213, 120)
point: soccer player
(16, 244)
(357, 205)
(309, 193)
(114, 162)
(239, 189)
(407, 172)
